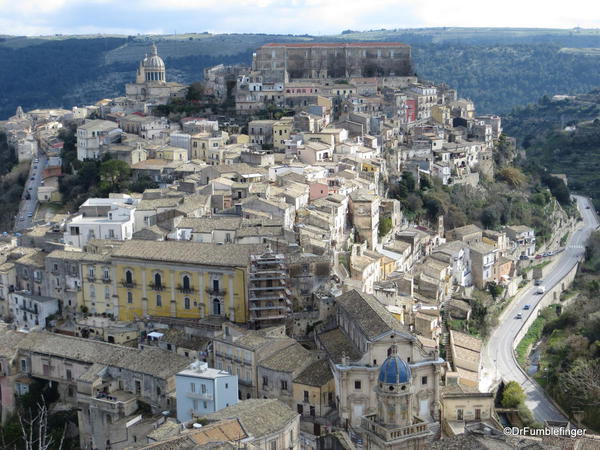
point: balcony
(128, 285)
(392, 433)
(218, 292)
(91, 278)
(157, 287)
(188, 290)
(200, 396)
(73, 288)
(115, 402)
(106, 280)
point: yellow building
(441, 114)
(282, 130)
(96, 283)
(172, 154)
(314, 390)
(202, 142)
(182, 279)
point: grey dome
(153, 62)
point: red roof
(337, 44)
(53, 171)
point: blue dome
(394, 371)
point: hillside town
(267, 291)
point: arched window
(186, 303)
(157, 280)
(216, 307)
(186, 283)
(129, 298)
(128, 277)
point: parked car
(30, 215)
(519, 316)
(538, 282)
(526, 307)
(32, 178)
(538, 256)
(540, 290)
(522, 257)
(587, 207)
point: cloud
(284, 16)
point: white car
(540, 290)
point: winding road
(498, 358)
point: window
(357, 385)
(186, 303)
(159, 300)
(186, 283)
(203, 388)
(216, 307)
(204, 405)
(477, 414)
(273, 445)
(128, 277)
(157, 280)
(312, 411)
(306, 399)
(111, 234)
(106, 274)
(423, 380)
(215, 285)
(129, 298)
(459, 414)
(107, 293)
(265, 381)
(192, 387)
(300, 408)
(23, 365)
(284, 385)
(227, 384)
(93, 291)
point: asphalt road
(497, 359)
(27, 207)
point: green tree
(494, 289)
(115, 173)
(513, 395)
(385, 225)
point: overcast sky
(35, 17)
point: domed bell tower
(394, 391)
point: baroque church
(151, 83)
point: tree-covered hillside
(497, 68)
(563, 137)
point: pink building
(318, 190)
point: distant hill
(497, 68)
(564, 137)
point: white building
(101, 218)
(203, 390)
(93, 137)
(31, 311)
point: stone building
(285, 62)
(151, 81)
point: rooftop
(150, 360)
(288, 359)
(369, 314)
(336, 44)
(259, 417)
(233, 255)
(317, 374)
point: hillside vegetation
(497, 68)
(562, 137)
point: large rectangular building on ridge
(285, 62)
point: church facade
(151, 83)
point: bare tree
(35, 431)
(582, 382)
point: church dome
(394, 370)
(153, 62)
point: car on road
(522, 257)
(526, 307)
(30, 215)
(587, 207)
(519, 316)
(29, 188)
(540, 290)
(538, 282)
(21, 219)
(538, 256)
